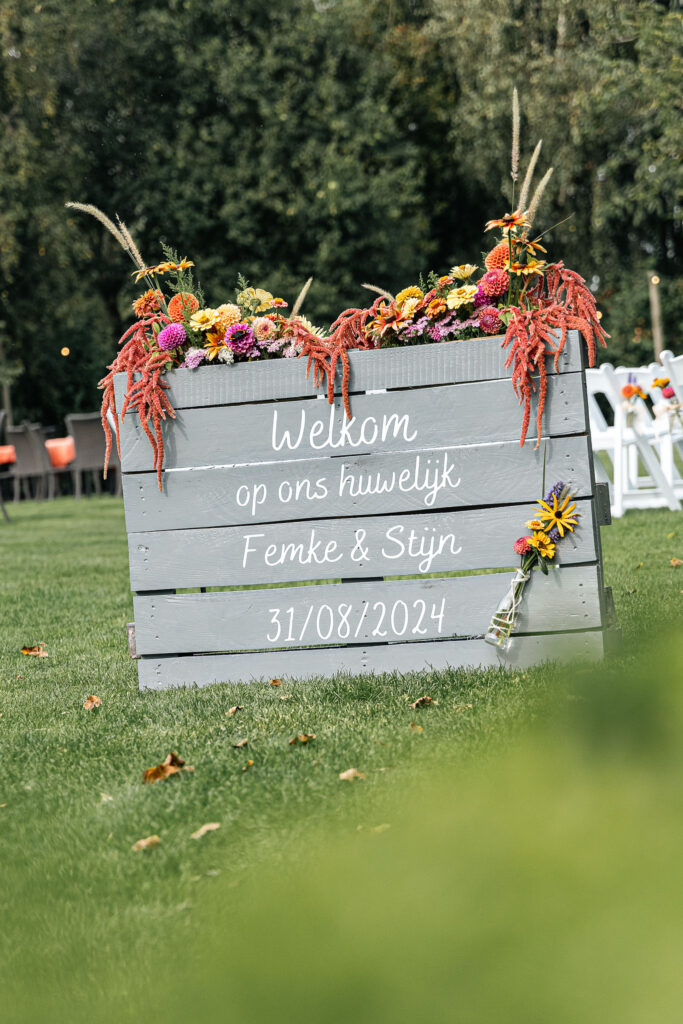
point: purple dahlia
(172, 336)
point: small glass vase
(503, 619)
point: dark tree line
(352, 141)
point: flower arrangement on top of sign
(517, 292)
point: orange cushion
(61, 450)
(7, 454)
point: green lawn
(91, 930)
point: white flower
(226, 355)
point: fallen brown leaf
(247, 766)
(422, 702)
(146, 844)
(302, 738)
(92, 702)
(285, 696)
(19, 677)
(415, 727)
(350, 774)
(276, 682)
(106, 799)
(36, 652)
(461, 707)
(234, 710)
(675, 562)
(171, 766)
(242, 743)
(210, 826)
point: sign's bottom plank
(159, 673)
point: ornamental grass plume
(526, 184)
(514, 161)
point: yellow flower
(661, 382)
(464, 271)
(543, 544)
(559, 516)
(508, 221)
(534, 524)
(461, 296)
(530, 267)
(213, 345)
(409, 293)
(204, 319)
(410, 306)
(227, 315)
(435, 308)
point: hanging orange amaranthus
(139, 355)
(323, 354)
(562, 302)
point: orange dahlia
(148, 303)
(498, 257)
(182, 305)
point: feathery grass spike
(300, 297)
(514, 165)
(540, 189)
(526, 184)
(380, 291)
(95, 212)
(131, 247)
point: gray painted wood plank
(319, 488)
(414, 366)
(342, 548)
(324, 663)
(391, 422)
(390, 611)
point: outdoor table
(8, 454)
(61, 450)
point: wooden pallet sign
(289, 540)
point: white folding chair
(638, 440)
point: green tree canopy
(346, 140)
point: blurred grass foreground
(540, 882)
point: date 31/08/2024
(345, 621)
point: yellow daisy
(204, 319)
(409, 293)
(534, 524)
(410, 306)
(543, 544)
(213, 345)
(464, 271)
(461, 296)
(559, 516)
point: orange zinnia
(182, 305)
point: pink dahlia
(489, 320)
(494, 283)
(193, 357)
(480, 299)
(240, 338)
(521, 546)
(668, 392)
(171, 337)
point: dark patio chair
(31, 466)
(86, 430)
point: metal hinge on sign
(130, 632)
(602, 504)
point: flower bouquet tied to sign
(517, 293)
(556, 516)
